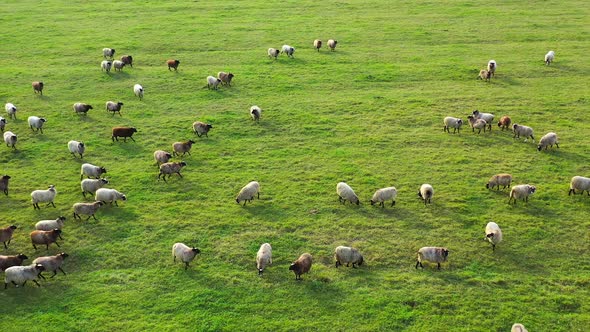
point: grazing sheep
(108, 52)
(123, 132)
(47, 225)
(8, 261)
(248, 192)
(106, 195)
(52, 263)
(114, 107)
(10, 138)
(201, 128)
(82, 108)
(493, 234)
(171, 168)
(492, 66)
(488, 117)
(138, 91)
(36, 123)
(484, 75)
(549, 57)
(172, 63)
(288, 50)
(92, 185)
(76, 147)
(332, 44)
(106, 66)
(38, 87)
(88, 209)
(263, 257)
(524, 131)
(45, 237)
(521, 191)
(2, 124)
(517, 327)
(272, 52)
(547, 141)
(426, 192)
(317, 44)
(579, 183)
(213, 82)
(301, 265)
(18, 274)
(11, 110)
(185, 253)
(161, 157)
(43, 196)
(345, 193)
(504, 122)
(384, 194)
(118, 65)
(432, 254)
(451, 122)
(503, 180)
(128, 60)
(182, 147)
(255, 113)
(6, 235)
(477, 124)
(4, 184)
(225, 78)
(348, 255)
(91, 171)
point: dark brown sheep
(123, 132)
(504, 122)
(128, 60)
(301, 265)
(45, 237)
(8, 261)
(38, 87)
(6, 235)
(172, 63)
(225, 78)
(4, 184)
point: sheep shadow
(120, 75)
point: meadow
(369, 114)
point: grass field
(369, 114)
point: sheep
(92, 185)
(504, 122)
(488, 117)
(384, 194)
(484, 75)
(502, 179)
(36, 122)
(161, 157)
(106, 66)
(477, 123)
(332, 44)
(345, 193)
(118, 65)
(255, 113)
(171, 168)
(6, 235)
(493, 234)
(288, 50)
(82, 108)
(138, 91)
(45, 237)
(426, 192)
(38, 87)
(521, 191)
(108, 52)
(549, 57)
(91, 171)
(451, 122)
(272, 52)
(579, 183)
(301, 265)
(76, 147)
(114, 107)
(524, 131)
(123, 132)
(8, 261)
(317, 44)
(348, 255)
(225, 78)
(4, 184)
(2, 124)
(201, 128)
(47, 225)
(43, 196)
(52, 263)
(18, 274)
(547, 141)
(492, 66)
(517, 327)
(432, 254)
(11, 110)
(109, 195)
(185, 253)
(213, 82)
(10, 138)
(182, 147)
(127, 60)
(172, 63)
(248, 192)
(88, 209)
(263, 257)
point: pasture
(369, 114)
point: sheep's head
(56, 231)
(360, 261)
(39, 268)
(476, 113)
(103, 170)
(372, 202)
(532, 189)
(293, 267)
(489, 235)
(62, 218)
(22, 256)
(5, 177)
(133, 130)
(196, 250)
(182, 163)
(123, 197)
(63, 255)
(209, 126)
(12, 227)
(445, 252)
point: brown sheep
(504, 122)
(317, 44)
(201, 128)
(484, 75)
(82, 108)
(6, 235)
(45, 237)
(182, 147)
(128, 60)
(123, 132)
(301, 265)
(173, 64)
(114, 107)
(4, 184)
(170, 168)
(8, 261)
(38, 87)
(225, 78)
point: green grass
(369, 114)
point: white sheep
(547, 141)
(477, 123)
(82, 108)
(263, 257)
(248, 192)
(106, 66)
(345, 193)
(502, 179)
(108, 52)
(524, 131)
(432, 254)
(36, 122)
(118, 65)
(22, 274)
(91, 171)
(332, 44)
(451, 122)
(347, 255)
(317, 44)
(493, 234)
(579, 183)
(426, 192)
(272, 53)
(549, 57)
(517, 327)
(76, 147)
(492, 66)
(255, 113)
(52, 263)
(48, 225)
(92, 185)
(106, 195)
(2, 124)
(11, 110)
(521, 191)
(384, 194)
(138, 91)
(185, 253)
(10, 139)
(161, 157)
(489, 117)
(213, 82)
(288, 50)
(43, 196)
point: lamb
(185, 253)
(6, 235)
(88, 209)
(123, 132)
(212, 82)
(38, 87)
(263, 257)
(127, 60)
(161, 157)
(492, 66)
(548, 140)
(549, 57)
(76, 147)
(517, 327)
(201, 128)
(109, 195)
(36, 123)
(182, 147)
(92, 185)
(301, 265)
(172, 63)
(579, 183)
(47, 225)
(43, 196)
(317, 44)
(248, 192)
(255, 113)
(2, 124)
(488, 117)
(477, 123)
(426, 192)
(524, 131)
(225, 78)
(171, 168)
(52, 263)
(493, 234)
(484, 75)
(108, 52)
(118, 65)
(10, 138)
(521, 191)
(504, 122)
(288, 50)
(432, 254)
(502, 179)
(138, 91)
(82, 108)
(8, 261)
(91, 171)
(348, 255)
(272, 52)
(384, 194)
(451, 122)
(106, 66)
(332, 44)
(11, 110)
(45, 237)
(18, 274)
(114, 107)
(4, 183)
(345, 193)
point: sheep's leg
(5, 247)
(24, 283)
(132, 138)
(418, 263)
(5, 285)
(93, 216)
(392, 203)
(382, 204)
(438, 266)
(573, 191)
(35, 281)
(199, 135)
(186, 266)
(354, 267)
(41, 275)
(61, 238)
(52, 204)
(338, 264)
(179, 174)
(493, 247)
(557, 145)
